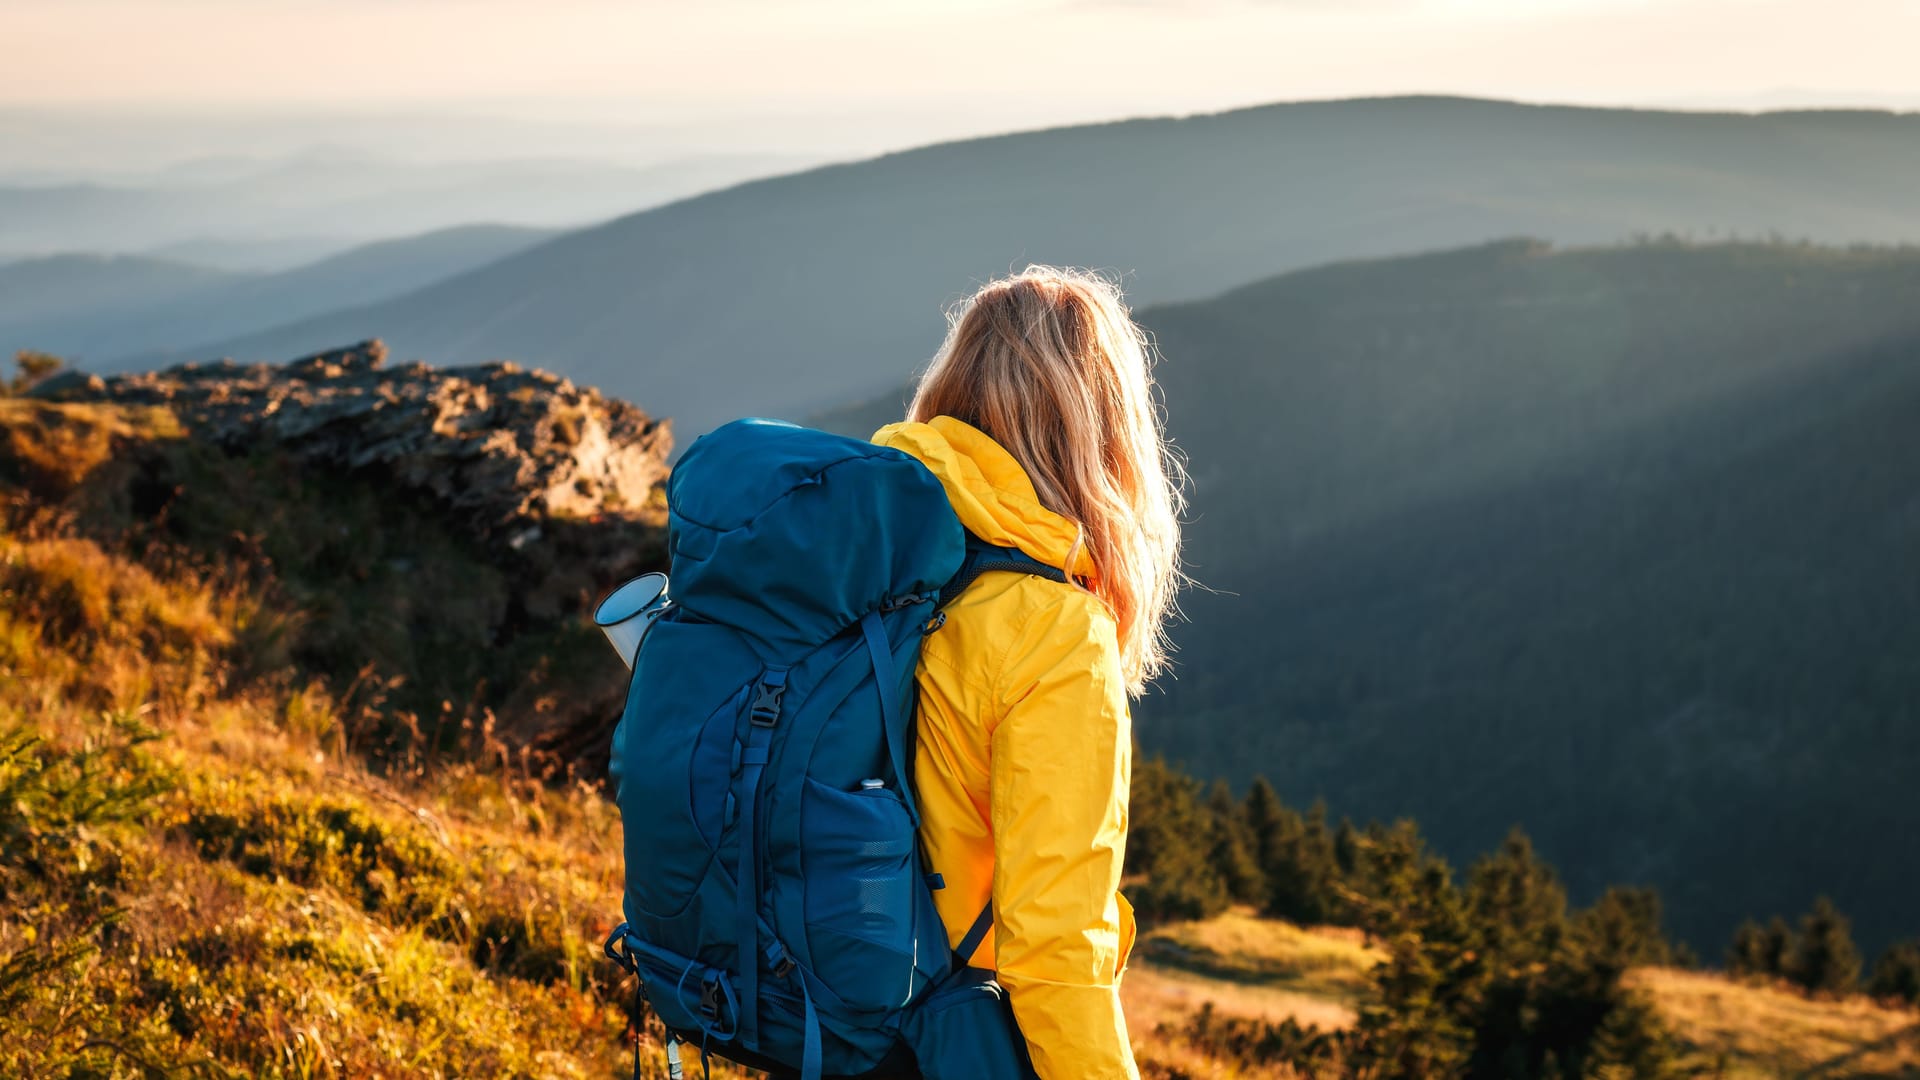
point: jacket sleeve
(1061, 759)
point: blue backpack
(778, 908)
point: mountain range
(91, 307)
(802, 292)
(324, 202)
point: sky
(863, 76)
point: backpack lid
(789, 534)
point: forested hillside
(1618, 545)
(803, 292)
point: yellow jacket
(1023, 764)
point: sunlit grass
(1263, 969)
(1754, 1029)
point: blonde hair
(1049, 364)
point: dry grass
(1741, 1029)
(1244, 967)
(287, 913)
(1240, 947)
(1247, 966)
(261, 903)
(1263, 969)
(49, 448)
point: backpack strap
(763, 714)
(885, 676)
(977, 933)
(985, 558)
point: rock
(67, 386)
(505, 446)
(553, 485)
(556, 481)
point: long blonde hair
(1050, 365)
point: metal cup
(630, 611)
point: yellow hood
(989, 490)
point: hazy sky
(865, 75)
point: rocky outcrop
(554, 484)
(507, 446)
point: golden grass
(1264, 969)
(1243, 966)
(51, 447)
(85, 596)
(290, 914)
(1154, 996)
(287, 912)
(1240, 947)
(1751, 1029)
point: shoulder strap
(985, 558)
(976, 934)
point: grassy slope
(257, 900)
(1260, 968)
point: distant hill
(258, 255)
(803, 292)
(352, 197)
(95, 308)
(1619, 545)
(61, 289)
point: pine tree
(1824, 958)
(1765, 951)
(1624, 924)
(1168, 848)
(1776, 952)
(1295, 855)
(1747, 954)
(1517, 902)
(1421, 1020)
(1346, 848)
(1518, 912)
(1233, 847)
(1896, 975)
(1320, 866)
(1271, 823)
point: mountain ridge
(739, 300)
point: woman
(1038, 418)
